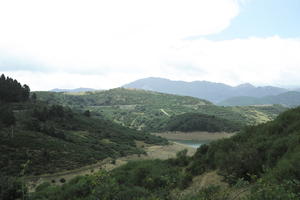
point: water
(192, 143)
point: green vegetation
(56, 138)
(12, 91)
(150, 111)
(269, 153)
(200, 122)
(151, 179)
(259, 163)
(37, 138)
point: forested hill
(51, 138)
(269, 151)
(260, 163)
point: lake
(192, 143)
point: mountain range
(289, 99)
(214, 92)
(73, 90)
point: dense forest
(12, 91)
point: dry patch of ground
(197, 136)
(152, 152)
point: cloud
(105, 44)
(71, 34)
(258, 60)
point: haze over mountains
(73, 90)
(289, 99)
(214, 92)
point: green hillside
(200, 122)
(259, 163)
(267, 154)
(149, 111)
(54, 138)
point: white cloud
(106, 43)
(92, 33)
(257, 60)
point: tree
(12, 91)
(26, 92)
(87, 113)
(7, 118)
(33, 97)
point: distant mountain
(290, 99)
(73, 90)
(214, 92)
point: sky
(104, 44)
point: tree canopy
(12, 91)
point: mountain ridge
(73, 90)
(211, 91)
(290, 99)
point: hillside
(275, 147)
(149, 111)
(259, 163)
(53, 138)
(119, 96)
(190, 122)
(214, 92)
(290, 99)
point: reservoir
(191, 143)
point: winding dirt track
(153, 152)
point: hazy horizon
(72, 88)
(106, 44)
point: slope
(259, 163)
(190, 122)
(37, 138)
(146, 110)
(275, 148)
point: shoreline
(196, 136)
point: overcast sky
(107, 43)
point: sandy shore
(197, 136)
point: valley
(134, 144)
